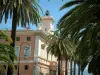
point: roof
(31, 32)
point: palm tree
(70, 67)
(83, 24)
(6, 51)
(73, 59)
(54, 49)
(22, 12)
(74, 70)
(3, 35)
(59, 47)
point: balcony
(45, 61)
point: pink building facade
(30, 49)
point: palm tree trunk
(74, 73)
(61, 67)
(71, 67)
(66, 72)
(81, 72)
(13, 35)
(58, 66)
(78, 69)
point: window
(53, 58)
(26, 67)
(17, 50)
(17, 38)
(15, 67)
(27, 51)
(43, 50)
(42, 46)
(28, 39)
(49, 56)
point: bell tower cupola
(46, 24)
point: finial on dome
(47, 13)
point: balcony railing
(45, 61)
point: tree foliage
(82, 22)
(60, 48)
(21, 12)
(6, 51)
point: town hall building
(30, 49)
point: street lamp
(26, 48)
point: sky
(53, 7)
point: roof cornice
(31, 32)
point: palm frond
(71, 3)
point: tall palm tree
(6, 51)
(59, 47)
(74, 70)
(70, 67)
(21, 12)
(73, 59)
(53, 48)
(83, 24)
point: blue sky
(53, 6)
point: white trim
(18, 46)
(25, 61)
(37, 46)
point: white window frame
(30, 50)
(19, 50)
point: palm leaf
(71, 3)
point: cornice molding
(31, 32)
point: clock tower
(46, 24)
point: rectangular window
(17, 50)
(42, 46)
(26, 67)
(49, 56)
(17, 38)
(28, 39)
(42, 53)
(53, 58)
(42, 50)
(27, 51)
